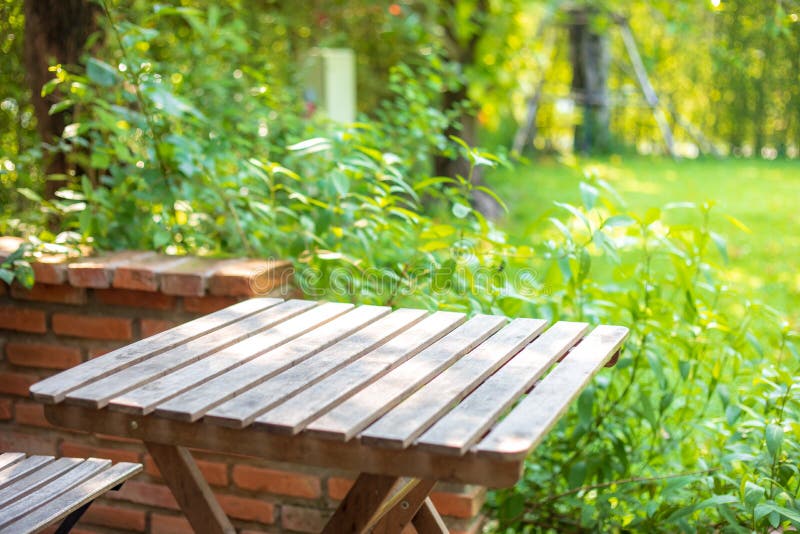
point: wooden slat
(241, 410)
(72, 499)
(55, 388)
(410, 418)
(355, 413)
(22, 469)
(459, 429)
(36, 479)
(194, 403)
(43, 495)
(10, 458)
(528, 422)
(190, 489)
(98, 393)
(292, 415)
(144, 398)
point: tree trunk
(590, 58)
(55, 33)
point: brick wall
(81, 309)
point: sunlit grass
(763, 195)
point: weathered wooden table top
(402, 392)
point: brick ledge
(189, 276)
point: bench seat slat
(242, 409)
(99, 392)
(404, 423)
(530, 420)
(84, 491)
(292, 415)
(143, 399)
(36, 479)
(459, 429)
(351, 416)
(43, 495)
(9, 458)
(22, 468)
(55, 388)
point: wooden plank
(300, 449)
(144, 398)
(193, 403)
(99, 392)
(466, 423)
(359, 507)
(43, 495)
(67, 502)
(241, 410)
(36, 479)
(528, 422)
(292, 415)
(403, 424)
(190, 489)
(428, 520)
(382, 394)
(403, 509)
(22, 469)
(55, 388)
(10, 458)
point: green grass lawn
(764, 195)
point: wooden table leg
(403, 509)
(190, 489)
(428, 520)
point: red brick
(135, 299)
(62, 294)
(143, 274)
(465, 505)
(247, 509)
(22, 319)
(5, 409)
(338, 487)
(188, 278)
(249, 277)
(92, 327)
(94, 352)
(303, 519)
(16, 383)
(51, 269)
(145, 493)
(169, 524)
(97, 272)
(31, 414)
(207, 304)
(39, 443)
(80, 450)
(44, 355)
(464, 526)
(215, 473)
(273, 481)
(151, 327)
(115, 517)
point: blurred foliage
(190, 135)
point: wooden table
(406, 398)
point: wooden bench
(404, 397)
(38, 491)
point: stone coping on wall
(189, 276)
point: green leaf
(101, 72)
(49, 87)
(774, 437)
(619, 220)
(58, 107)
(460, 210)
(576, 212)
(589, 194)
(29, 194)
(6, 275)
(721, 245)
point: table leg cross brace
(386, 505)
